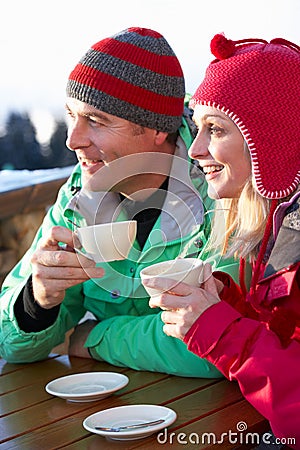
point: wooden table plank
(34, 420)
(203, 434)
(159, 392)
(31, 395)
(42, 372)
(6, 368)
(207, 432)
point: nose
(77, 135)
(199, 147)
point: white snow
(15, 179)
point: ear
(160, 137)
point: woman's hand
(183, 304)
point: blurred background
(41, 41)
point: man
(125, 103)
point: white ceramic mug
(107, 241)
(187, 270)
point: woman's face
(219, 148)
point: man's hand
(78, 338)
(55, 269)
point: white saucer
(87, 387)
(129, 415)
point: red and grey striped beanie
(256, 84)
(134, 75)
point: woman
(248, 144)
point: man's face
(111, 151)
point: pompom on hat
(134, 75)
(257, 85)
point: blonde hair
(239, 223)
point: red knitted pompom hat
(257, 84)
(134, 75)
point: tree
(20, 147)
(60, 155)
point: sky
(41, 41)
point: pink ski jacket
(256, 340)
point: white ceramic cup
(187, 270)
(107, 241)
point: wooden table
(31, 419)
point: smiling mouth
(90, 162)
(212, 169)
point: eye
(95, 121)
(193, 129)
(215, 130)
(69, 113)
(192, 125)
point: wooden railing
(21, 213)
